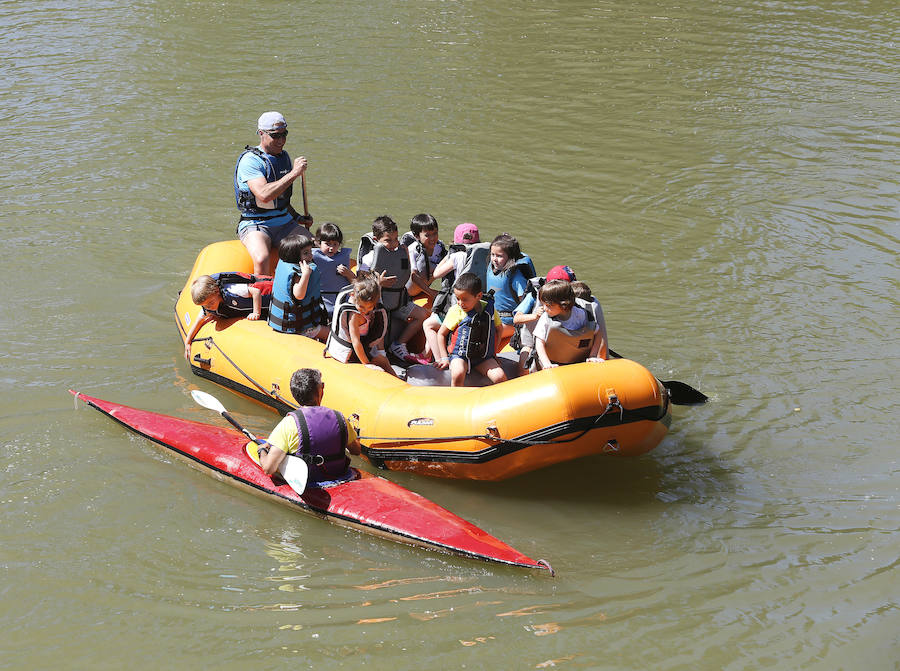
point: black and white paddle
(294, 470)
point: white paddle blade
(295, 472)
(208, 401)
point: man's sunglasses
(277, 136)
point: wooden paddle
(680, 393)
(303, 189)
(294, 470)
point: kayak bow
(368, 503)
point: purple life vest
(322, 434)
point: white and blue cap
(271, 121)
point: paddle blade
(208, 401)
(295, 472)
(684, 394)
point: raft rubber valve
(613, 402)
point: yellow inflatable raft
(480, 433)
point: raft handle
(203, 362)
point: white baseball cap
(271, 121)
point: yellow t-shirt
(456, 314)
(284, 436)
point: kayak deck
(368, 503)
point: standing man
(316, 434)
(263, 181)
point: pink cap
(561, 273)
(466, 234)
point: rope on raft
(409, 439)
(271, 392)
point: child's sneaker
(398, 349)
(422, 358)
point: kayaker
(227, 296)
(326, 435)
(263, 182)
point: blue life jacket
(286, 313)
(332, 281)
(276, 168)
(502, 286)
(474, 336)
(234, 305)
(322, 437)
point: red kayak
(368, 503)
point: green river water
(724, 176)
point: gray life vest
(393, 263)
(339, 344)
(478, 258)
(565, 346)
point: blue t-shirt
(250, 167)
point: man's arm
(269, 191)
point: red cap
(466, 234)
(561, 273)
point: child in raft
(474, 324)
(451, 266)
(426, 252)
(359, 324)
(228, 296)
(567, 332)
(296, 291)
(393, 266)
(333, 261)
(505, 279)
(583, 291)
(527, 313)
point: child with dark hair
(426, 252)
(296, 291)
(506, 279)
(333, 261)
(474, 324)
(567, 332)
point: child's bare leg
(414, 325)
(492, 370)
(504, 335)
(430, 327)
(458, 372)
(323, 333)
